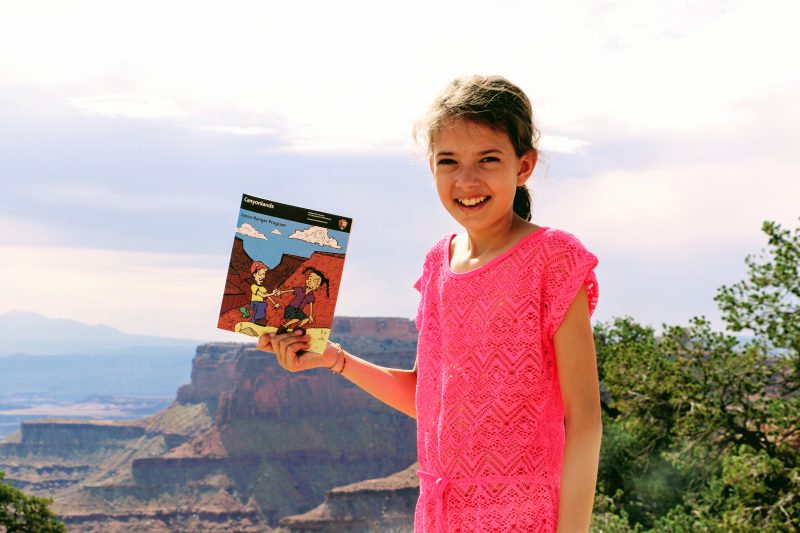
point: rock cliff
(384, 504)
(244, 445)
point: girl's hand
(286, 348)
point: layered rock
(48, 455)
(244, 444)
(384, 504)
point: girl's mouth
(471, 202)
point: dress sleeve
(570, 266)
(420, 285)
(432, 258)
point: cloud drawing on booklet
(250, 231)
(275, 232)
(316, 235)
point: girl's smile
(469, 203)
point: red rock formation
(400, 329)
(212, 374)
(383, 504)
(245, 444)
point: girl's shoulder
(555, 240)
(440, 248)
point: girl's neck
(496, 239)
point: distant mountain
(34, 334)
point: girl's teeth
(472, 201)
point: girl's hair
(491, 101)
(324, 280)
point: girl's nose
(467, 177)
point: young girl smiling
(504, 388)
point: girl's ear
(527, 162)
(430, 164)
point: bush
(20, 513)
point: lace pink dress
(490, 421)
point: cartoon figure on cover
(303, 295)
(259, 292)
(294, 315)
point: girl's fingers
(265, 343)
(286, 347)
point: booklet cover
(285, 270)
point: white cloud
(129, 106)
(364, 293)
(316, 235)
(356, 83)
(135, 292)
(250, 231)
(16, 230)
(241, 130)
(276, 232)
(664, 212)
(563, 145)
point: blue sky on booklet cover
(128, 133)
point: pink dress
(490, 420)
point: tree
(20, 513)
(768, 301)
(702, 430)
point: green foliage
(768, 301)
(20, 513)
(701, 432)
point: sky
(130, 130)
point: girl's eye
(490, 159)
(446, 162)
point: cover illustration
(285, 270)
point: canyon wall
(244, 445)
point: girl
(504, 388)
(303, 295)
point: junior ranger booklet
(285, 270)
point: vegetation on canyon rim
(701, 429)
(20, 513)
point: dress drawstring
(441, 486)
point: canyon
(245, 446)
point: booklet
(285, 270)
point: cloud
(241, 130)
(129, 106)
(646, 68)
(316, 235)
(250, 231)
(276, 232)
(561, 144)
(155, 287)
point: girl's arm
(392, 386)
(580, 390)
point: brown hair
(491, 101)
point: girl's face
(313, 281)
(477, 173)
